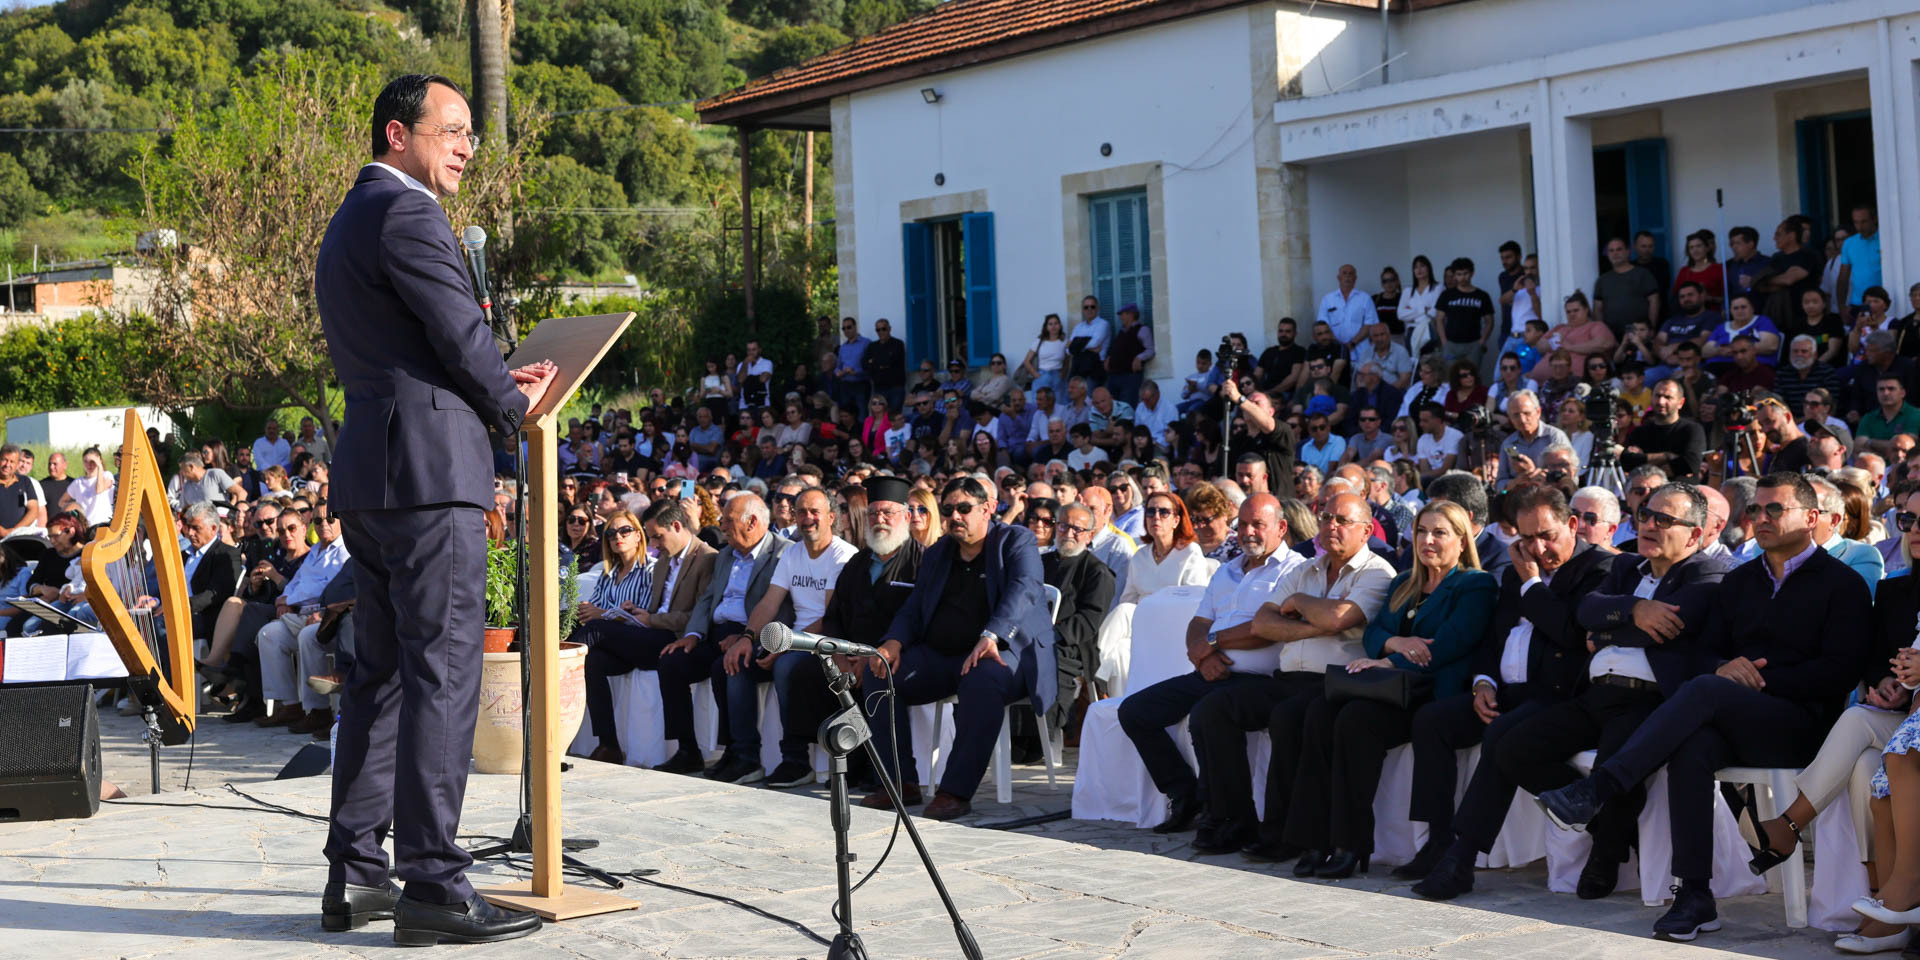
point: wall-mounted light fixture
(929, 94)
(1106, 149)
(939, 179)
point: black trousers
(1443, 728)
(1345, 745)
(1220, 725)
(411, 699)
(1533, 757)
(1146, 714)
(1712, 722)
(615, 648)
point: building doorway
(951, 307)
(1836, 168)
(1630, 195)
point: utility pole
(747, 258)
(806, 273)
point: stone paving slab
(180, 881)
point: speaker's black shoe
(420, 924)
(1181, 813)
(1342, 865)
(1423, 862)
(347, 906)
(1219, 836)
(1271, 851)
(1309, 862)
(1450, 877)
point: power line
(86, 129)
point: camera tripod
(1603, 471)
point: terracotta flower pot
(496, 738)
(499, 638)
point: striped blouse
(611, 593)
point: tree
(796, 45)
(489, 87)
(250, 187)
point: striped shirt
(612, 593)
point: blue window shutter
(1101, 217)
(1647, 206)
(923, 339)
(983, 311)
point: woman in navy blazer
(1433, 619)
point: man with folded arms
(1318, 614)
(1533, 657)
(1783, 647)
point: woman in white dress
(92, 493)
(1046, 363)
(1168, 557)
(1417, 304)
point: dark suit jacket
(1454, 616)
(1493, 554)
(696, 573)
(1018, 607)
(700, 620)
(1693, 585)
(412, 352)
(1557, 657)
(862, 608)
(213, 582)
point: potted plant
(496, 742)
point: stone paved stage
(140, 881)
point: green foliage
(503, 572)
(79, 363)
(569, 599)
(794, 45)
(19, 199)
(783, 325)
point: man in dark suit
(616, 647)
(741, 575)
(212, 566)
(1533, 656)
(413, 474)
(976, 626)
(1645, 621)
(1086, 594)
(1785, 637)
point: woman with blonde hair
(626, 576)
(1429, 626)
(923, 513)
(1302, 526)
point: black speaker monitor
(49, 753)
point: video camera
(1228, 358)
(1601, 408)
(1739, 410)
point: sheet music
(91, 656)
(35, 659)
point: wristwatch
(1213, 640)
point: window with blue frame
(1120, 251)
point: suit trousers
(283, 670)
(1443, 728)
(926, 675)
(1220, 726)
(742, 702)
(615, 648)
(1146, 714)
(1344, 746)
(1712, 722)
(1532, 755)
(1847, 761)
(411, 700)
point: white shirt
(808, 579)
(1523, 311)
(1348, 314)
(1115, 548)
(271, 453)
(1080, 460)
(1037, 429)
(674, 565)
(1097, 332)
(97, 505)
(1364, 581)
(1183, 566)
(1050, 356)
(1230, 603)
(1406, 402)
(1433, 452)
(1513, 656)
(1156, 419)
(1626, 661)
(1418, 307)
(403, 178)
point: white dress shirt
(1230, 603)
(1363, 581)
(1348, 314)
(1626, 661)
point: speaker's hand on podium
(534, 379)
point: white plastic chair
(1773, 786)
(1002, 765)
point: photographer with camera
(1665, 438)
(1787, 444)
(1520, 453)
(1264, 432)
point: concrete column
(1577, 252)
(845, 251)
(1279, 50)
(1546, 192)
(1896, 161)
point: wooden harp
(137, 584)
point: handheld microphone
(474, 241)
(779, 638)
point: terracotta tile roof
(955, 33)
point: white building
(1216, 161)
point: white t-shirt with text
(808, 579)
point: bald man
(1112, 545)
(1348, 309)
(1718, 512)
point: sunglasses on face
(1640, 491)
(1331, 519)
(622, 530)
(1039, 521)
(1904, 520)
(1664, 521)
(576, 519)
(783, 498)
(1158, 512)
(917, 510)
(949, 509)
(1774, 511)
(1208, 521)
(1369, 419)
(1587, 517)
(1076, 531)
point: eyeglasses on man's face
(450, 132)
(1665, 521)
(961, 507)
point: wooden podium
(575, 345)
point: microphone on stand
(779, 638)
(473, 242)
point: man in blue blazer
(977, 626)
(413, 473)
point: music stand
(575, 345)
(58, 619)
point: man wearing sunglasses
(976, 627)
(1785, 641)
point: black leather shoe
(1449, 878)
(1271, 851)
(1342, 865)
(1220, 836)
(685, 761)
(247, 711)
(1573, 806)
(420, 924)
(348, 906)
(1309, 862)
(1424, 861)
(1181, 813)
(1598, 878)
(1692, 914)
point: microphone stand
(840, 735)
